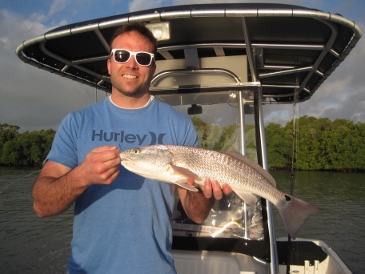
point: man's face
(131, 79)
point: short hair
(138, 27)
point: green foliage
(224, 138)
(278, 145)
(24, 149)
(322, 144)
(215, 137)
(319, 144)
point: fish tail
(294, 213)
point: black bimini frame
(291, 50)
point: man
(122, 222)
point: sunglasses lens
(121, 56)
(143, 59)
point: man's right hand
(100, 166)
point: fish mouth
(123, 157)
(124, 160)
(126, 163)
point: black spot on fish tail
(294, 213)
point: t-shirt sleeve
(64, 147)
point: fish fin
(294, 213)
(252, 164)
(187, 186)
(185, 172)
(249, 198)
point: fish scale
(176, 164)
(223, 166)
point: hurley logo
(148, 139)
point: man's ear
(153, 69)
(108, 65)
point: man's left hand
(212, 188)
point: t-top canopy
(290, 50)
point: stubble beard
(129, 91)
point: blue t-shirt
(124, 227)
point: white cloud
(14, 29)
(57, 6)
(136, 5)
(32, 98)
(46, 14)
(278, 114)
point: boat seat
(196, 262)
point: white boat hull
(218, 262)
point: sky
(34, 99)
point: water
(340, 222)
(32, 245)
(29, 244)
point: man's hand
(100, 166)
(213, 189)
(197, 205)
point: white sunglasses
(142, 58)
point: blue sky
(32, 104)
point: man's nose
(132, 63)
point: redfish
(176, 164)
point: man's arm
(58, 186)
(197, 205)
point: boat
(221, 62)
